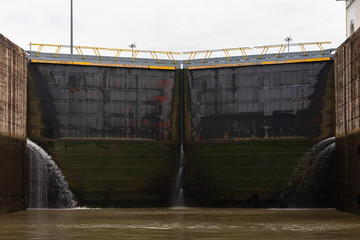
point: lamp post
(132, 46)
(288, 40)
(71, 27)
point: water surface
(192, 223)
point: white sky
(180, 25)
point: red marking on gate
(146, 122)
(161, 98)
(132, 122)
(162, 83)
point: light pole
(132, 46)
(71, 28)
(288, 40)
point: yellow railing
(209, 52)
(170, 54)
(79, 49)
(282, 47)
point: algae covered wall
(12, 126)
(111, 130)
(347, 88)
(248, 128)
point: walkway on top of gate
(234, 57)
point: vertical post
(288, 40)
(132, 46)
(288, 46)
(71, 28)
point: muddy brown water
(191, 223)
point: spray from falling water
(314, 183)
(47, 186)
(179, 191)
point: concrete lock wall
(12, 126)
(347, 89)
(113, 131)
(248, 128)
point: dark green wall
(117, 173)
(245, 173)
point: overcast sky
(180, 25)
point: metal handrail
(209, 52)
(170, 54)
(283, 47)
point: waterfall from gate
(47, 186)
(315, 181)
(180, 181)
(179, 191)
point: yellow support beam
(282, 49)
(191, 54)
(117, 54)
(78, 49)
(58, 50)
(39, 50)
(227, 54)
(153, 54)
(172, 56)
(135, 53)
(206, 55)
(321, 47)
(242, 50)
(264, 51)
(302, 48)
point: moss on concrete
(117, 173)
(247, 173)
